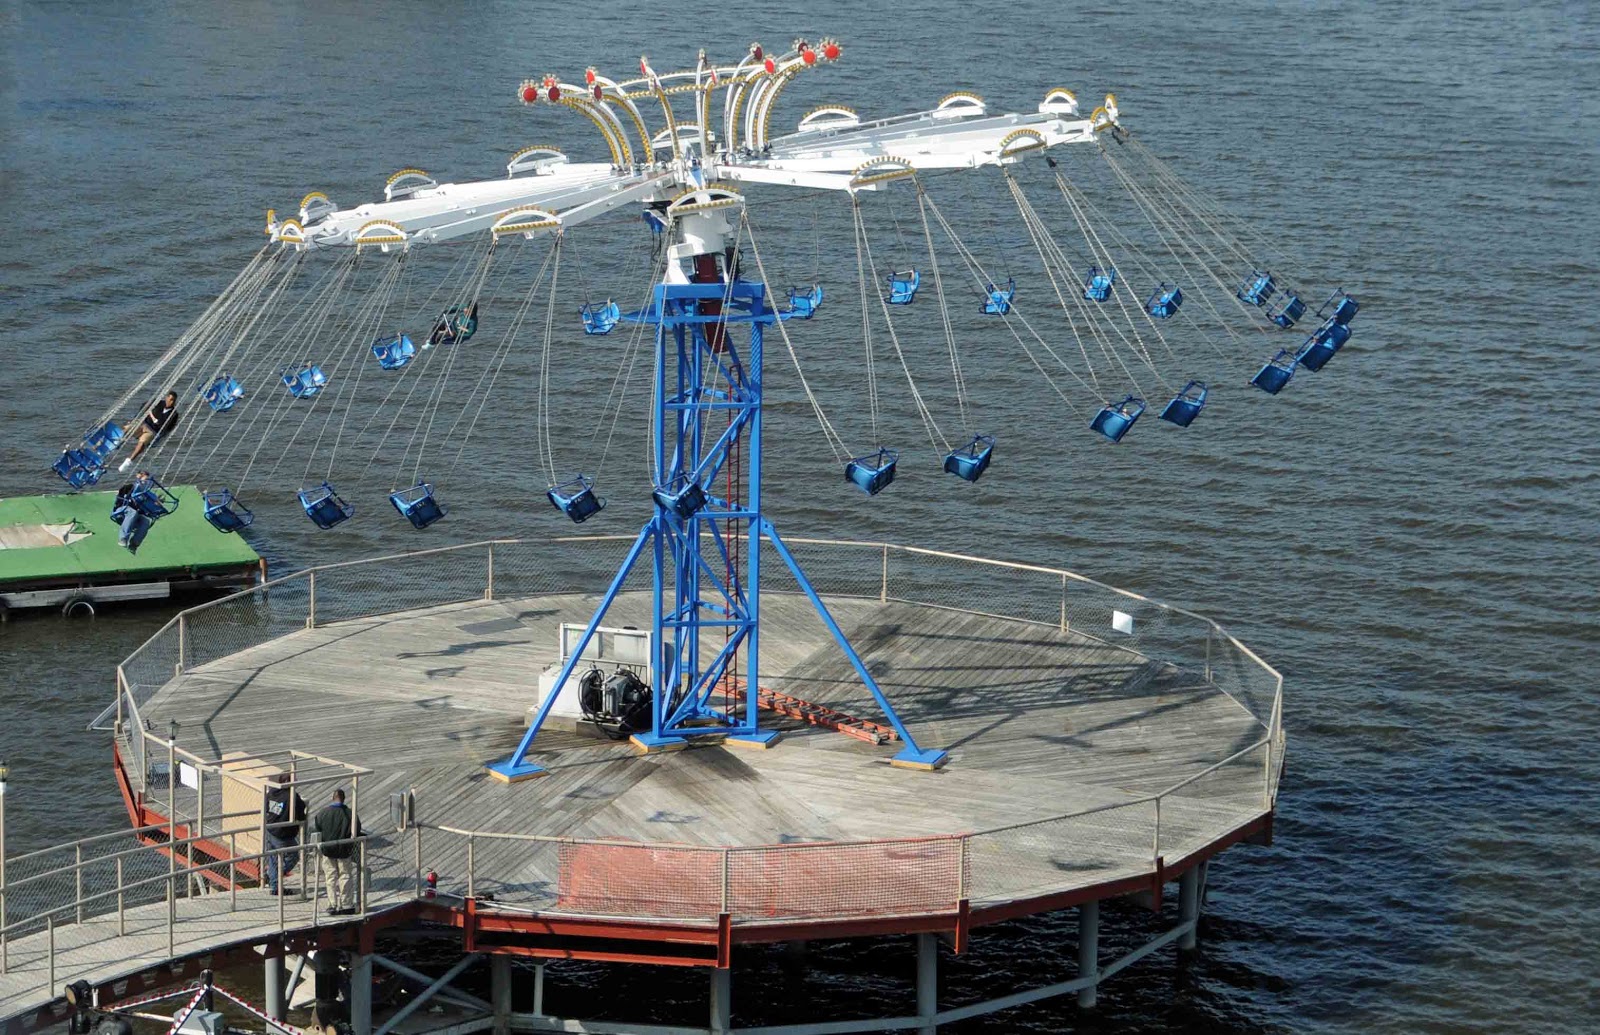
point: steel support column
(276, 984)
(928, 983)
(721, 1000)
(500, 993)
(1088, 951)
(1189, 907)
(360, 993)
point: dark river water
(1410, 536)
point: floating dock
(61, 551)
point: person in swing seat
(455, 325)
(162, 418)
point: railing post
(311, 602)
(172, 917)
(1063, 601)
(1155, 845)
(727, 857)
(199, 803)
(1208, 654)
(418, 829)
(77, 876)
(883, 589)
(361, 878)
(183, 625)
(233, 870)
(472, 886)
(488, 588)
(122, 909)
(50, 926)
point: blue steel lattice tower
(706, 419)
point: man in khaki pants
(335, 826)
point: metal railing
(189, 872)
(514, 568)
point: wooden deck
(1038, 723)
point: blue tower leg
(513, 767)
(911, 756)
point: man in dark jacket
(286, 812)
(335, 826)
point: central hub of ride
(706, 536)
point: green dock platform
(46, 560)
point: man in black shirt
(162, 418)
(286, 811)
(335, 826)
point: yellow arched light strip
(880, 170)
(1099, 119)
(1020, 142)
(600, 123)
(744, 87)
(531, 148)
(717, 195)
(390, 182)
(1062, 97)
(770, 99)
(1111, 100)
(525, 221)
(822, 110)
(272, 217)
(609, 95)
(672, 122)
(290, 232)
(315, 195)
(379, 232)
(951, 100)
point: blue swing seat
(104, 440)
(324, 507)
(1287, 312)
(1277, 372)
(225, 512)
(575, 497)
(1117, 419)
(804, 303)
(599, 318)
(1186, 405)
(304, 382)
(872, 473)
(393, 351)
(1098, 283)
(1257, 288)
(152, 499)
(1164, 301)
(903, 287)
(970, 461)
(999, 303)
(418, 505)
(683, 497)
(223, 393)
(1322, 345)
(1344, 307)
(79, 468)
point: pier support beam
(360, 993)
(1088, 951)
(1189, 907)
(276, 991)
(500, 993)
(927, 983)
(721, 1000)
(325, 978)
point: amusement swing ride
(1102, 324)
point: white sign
(188, 775)
(1122, 623)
